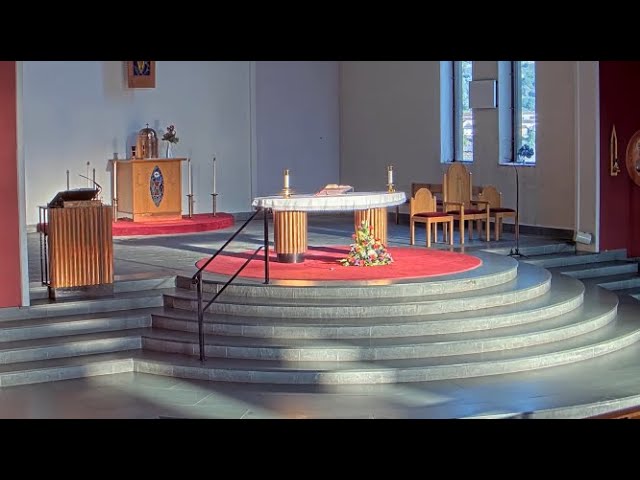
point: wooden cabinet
(149, 189)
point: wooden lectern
(79, 244)
(149, 189)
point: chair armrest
(460, 205)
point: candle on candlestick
(214, 174)
(189, 176)
(114, 194)
(67, 179)
(390, 174)
(286, 178)
(94, 177)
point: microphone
(97, 185)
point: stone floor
(595, 385)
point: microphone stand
(515, 252)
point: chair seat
(502, 210)
(431, 214)
(469, 211)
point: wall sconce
(614, 167)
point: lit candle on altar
(214, 174)
(286, 178)
(114, 194)
(189, 175)
(390, 174)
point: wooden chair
(458, 201)
(423, 209)
(435, 188)
(498, 212)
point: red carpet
(200, 222)
(321, 263)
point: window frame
(516, 118)
(452, 112)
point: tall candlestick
(214, 174)
(286, 178)
(390, 174)
(189, 175)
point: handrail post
(200, 317)
(266, 246)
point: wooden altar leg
(290, 234)
(377, 218)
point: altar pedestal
(290, 216)
(149, 189)
(290, 235)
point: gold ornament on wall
(614, 167)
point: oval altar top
(331, 203)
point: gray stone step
(531, 282)
(622, 332)
(533, 250)
(599, 269)
(565, 295)
(614, 336)
(618, 282)
(69, 346)
(56, 369)
(577, 322)
(128, 283)
(495, 270)
(19, 330)
(120, 302)
(562, 259)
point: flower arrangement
(170, 135)
(525, 151)
(367, 251)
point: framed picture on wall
(141, 74)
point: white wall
(390, 113)
(79, 112)
(297, 125)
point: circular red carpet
(322, 263)
(200, 222)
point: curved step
(614, 336)
(560, 328)
(531, 282)
(565, 295)
(495, 270)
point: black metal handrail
(197, 277)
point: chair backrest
(490, 194)
(433, 187)
(456, 185)
(422, 201)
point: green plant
(367, 251)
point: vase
(169, 153)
